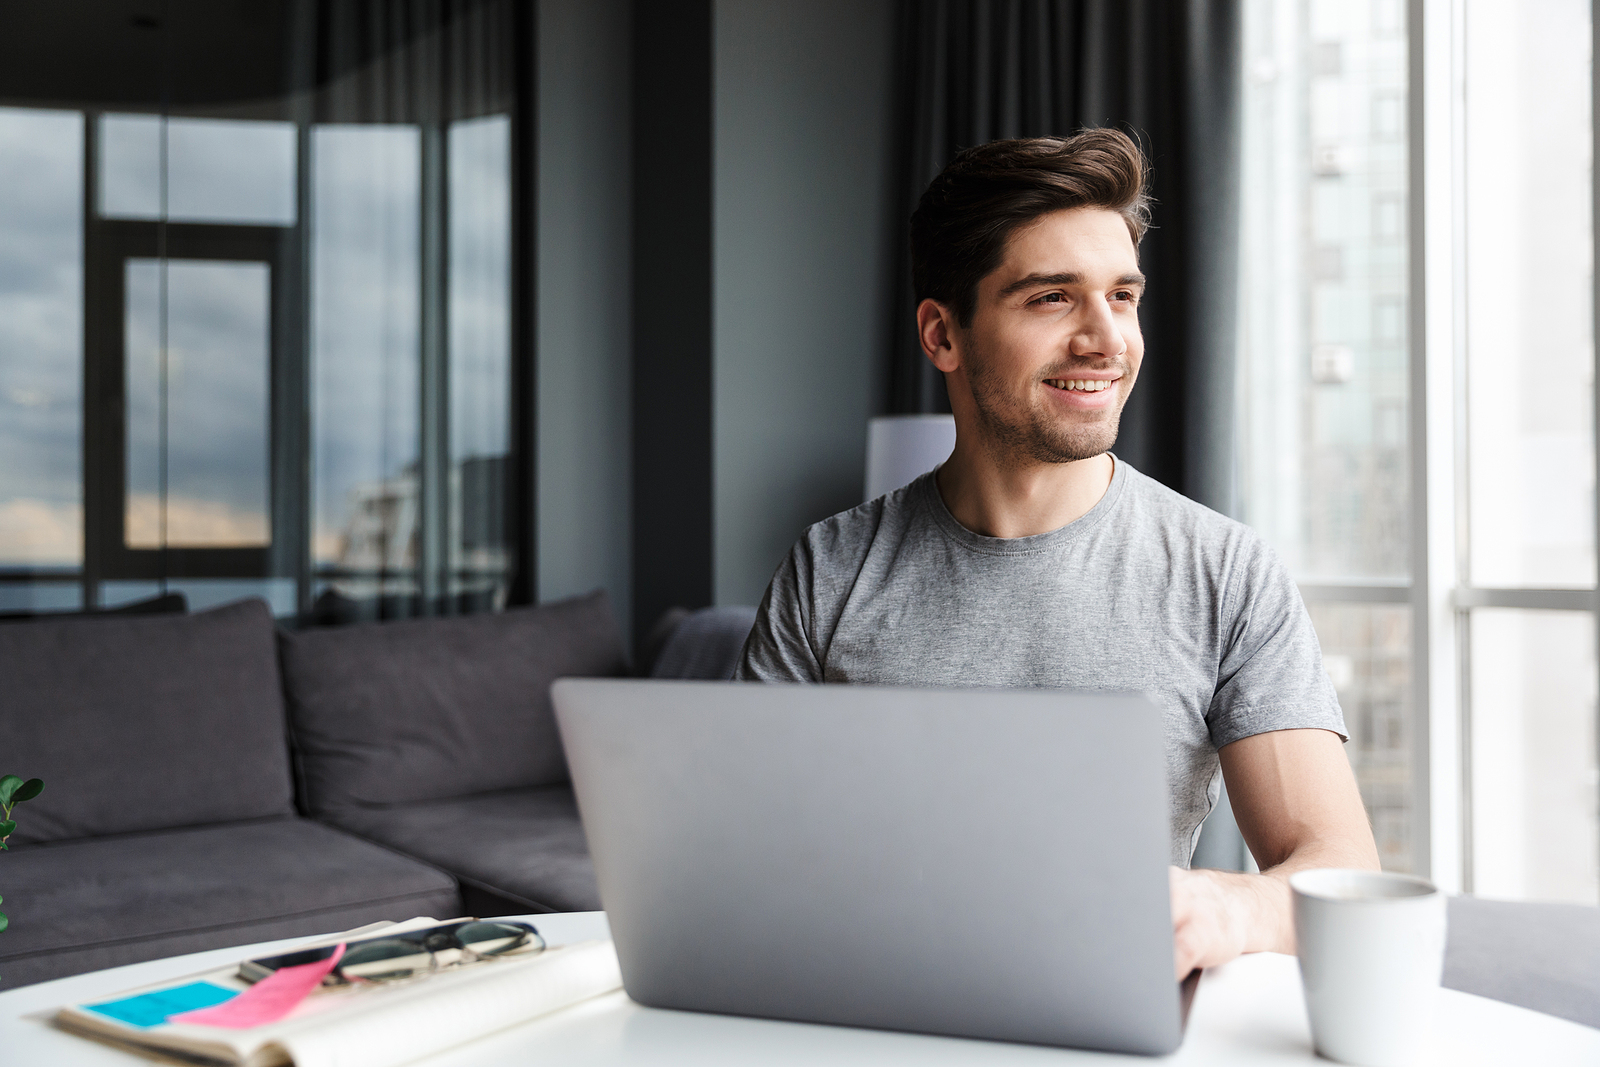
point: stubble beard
(1025, 432)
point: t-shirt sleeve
(1271, 675)
(779, 646)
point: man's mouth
(1080, 385)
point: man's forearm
(1274, 929)
(1218, 915)
(1264, 899)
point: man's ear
(937, 330)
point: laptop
(978, 863)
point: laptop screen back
(981, 863)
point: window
(1419, 438)
(41, 368)
(1525, 427)
(255, 313)
(1324, 384)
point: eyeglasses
(422, 952)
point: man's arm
(1296, 803)
(779, 647)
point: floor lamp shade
(900, 447)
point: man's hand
(1217, 915)
(1297, 806)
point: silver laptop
(978, 863)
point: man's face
(1054, 345)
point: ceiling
(250, 58)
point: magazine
(376, 1025)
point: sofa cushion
(82, 905)
(525, 845)
(395, 712)
(144, 723)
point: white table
(1247, 1014)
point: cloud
(193, 523)
(49, 533)
(40, 533)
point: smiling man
(1033, 557)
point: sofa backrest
(705, 644)
(144, 723)
(394, 712)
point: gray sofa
(211, 780)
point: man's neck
(998, 499)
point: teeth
(1082, 385)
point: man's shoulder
(1156, 504)
(1174, 527)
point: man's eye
(1051, 298)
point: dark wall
(804, 96)
(761, 136)
(584, 300)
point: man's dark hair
(961, 225)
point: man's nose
(1097, 333)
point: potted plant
(13, 791)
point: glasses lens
(492, 939)
(385, 960)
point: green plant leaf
(4, 922)
(30, 789)
(7, 828)
(8, 786)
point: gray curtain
(1164, 71)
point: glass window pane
(130, 166)
(365, 354)
(40, 597)
(41, 338)
(218, 170)
(480, 349)
(1535, 786)
(1529, 274)
(203, 593)
(1366, 649)
(216, 403)
(1323, 371)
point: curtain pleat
(1164, 71)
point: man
(1034, 557)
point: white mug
(1371, 953)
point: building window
(1452, 586)
(1324, 386)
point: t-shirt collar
(926, 491)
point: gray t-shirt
(1148, 592)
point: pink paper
(268, 1000)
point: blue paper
(151, 1009)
